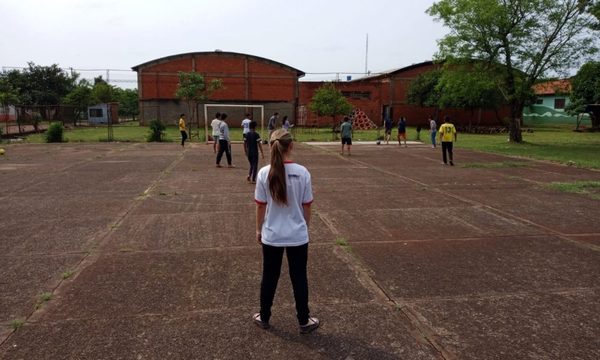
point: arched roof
(218, 53)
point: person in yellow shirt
(182, 129)
(447, 137)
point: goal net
(234, 112)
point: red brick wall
(245, 78)
(391, 90)
(250, 79)
(371, 106)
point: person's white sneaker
(312, 324)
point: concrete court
(149, 253)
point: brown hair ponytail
(280, 142)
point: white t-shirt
(215, 127)
(246, 126)
(285, 225)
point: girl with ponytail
(283, 197)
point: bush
(157, 131)
(55, 133)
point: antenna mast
(367, 55)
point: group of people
(387, 123)
(447, 135)
(252, 140)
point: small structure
(552, 97)
(8, 113)
(106, 113)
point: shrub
(157, 130)
(55, 133)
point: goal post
(244, 106)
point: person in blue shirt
(346, 133)
(387, 123)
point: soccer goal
(243, 108)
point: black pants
(224, 148)
(253, 160)
(183, 137)
(297, 257)
(446, 146)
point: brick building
(249, 79)
(387, 93)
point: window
(96, 113)
(357, 94)
(559, 103)
(539, 101)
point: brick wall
(253, 80)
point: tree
(594, 10)
(585, 90)
(423, 89)
(45, 85)
(455, 86)
(102, 92)
(328, 101)
(193, 89)
(528, 38)
(8, 96)
(41, 86)
(128, 102)
(467, 87)
(81, 98)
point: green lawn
(546, 143)
(556, 143)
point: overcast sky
(314, 36)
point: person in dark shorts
(402, 131)
(252, 145)
(388, 129)
(346, 132)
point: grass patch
(129, 132)
(494, 165)
(17, 323)
(342, 242)
(42, 299)
(556, 143)
(67, 274)
(590, 188)
(45, 297)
